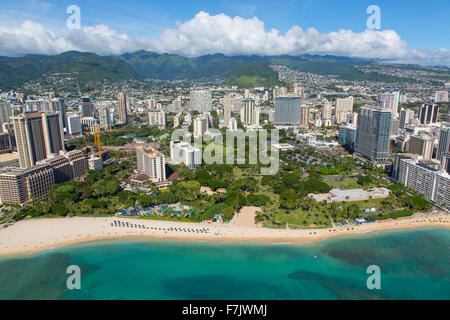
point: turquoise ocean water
(414, 265)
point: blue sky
(421, 24)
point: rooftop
(9, 156)
(149, 151)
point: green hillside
(242, 71)
(80, 65)
(174, 67)
(258, 74)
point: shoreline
(37, 235)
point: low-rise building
(337, 195)
(282, 147)
(9, 160)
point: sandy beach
(246, 217)
(34, 235)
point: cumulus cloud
(207, 34)
(32, 37)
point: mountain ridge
(86, 66)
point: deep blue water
(414, 265)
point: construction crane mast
(293, 83)
(96, 132)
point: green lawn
(347, 183)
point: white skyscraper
(200, 125)
(250, 113)
(344, 106)
(74, 124)
(157, 118)
(390, 101)
(183, 152)
(227, 109)
(326, 111)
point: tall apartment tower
(183, 152)
(227, 109)
(406, 116)
(428, 113)
(326, 111)
(177, 120)
(344, 106)
(157, 118)
(200, 125)
(5, 112)
(250, 113)
(151, 103)
(422, 144)
(86, 108)
(58, 105)
(122, 116)
(444, 141)
(389, 100)
(105, 118)
(372, 136)
(288, 110)
(304, 115)
(38, 134)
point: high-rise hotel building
(20, 185)
(372, 135)
(151, 162)
(38, 135)
(122, 116)
(23, 185)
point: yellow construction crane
(293, 83)
(96, 132)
